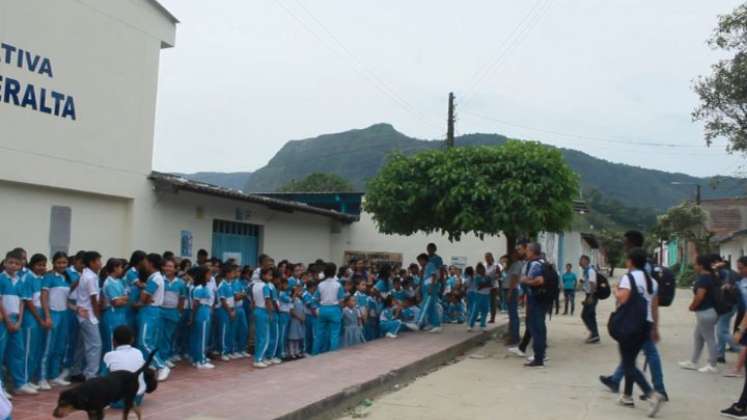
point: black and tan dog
(96, 394)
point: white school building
(78, 91)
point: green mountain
(358, 154)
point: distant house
(727, 219)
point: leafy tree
(723, 94)
(318, 182)
(688, 222)
(517, 188)
(613, 245)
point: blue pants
(390, 327)
(430, 310)
(312, 334)
(283, 324)
(54, 346)
(241, 331)
(330, 320)
(513, 315)
(274, 336)
(481, 309)
(33, 346)
(589, 315)
(261, 334)
(12, 345)
(149, 332)
(170, 319)
(199, 337)
(87, 350)
(470, 303)
(654, 363)
(225, 331)
(113, 318)
(537, 329)
(723, 333)
(72, 339)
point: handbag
(627, 323)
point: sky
(613, 78)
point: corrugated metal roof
(178, 183)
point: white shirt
(212, 285)
(329, 292)
(88, 286)
(157, 296)
(258, 288)
(592, 278)
(491, 272)
(640, 281)
(126, 358)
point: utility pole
(450, 122)
(697, 194)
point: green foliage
(625, 216)
(686, 221)
(723, 94)
(517, 188)
(687, 278)
(612, 243)
(318, 182)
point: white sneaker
(208, 365)
(260, 365)
(530, 359)
(202, 366)
(626, 401)
(60, 381)
(436, 330)
(244, 355)
(176, 358)
(33, 385)
(655, 401)
(235, 355)
(26, 389)
(44, 385)
(411, 326)
(163, 374)
(708, 369)
(169, 364)
(688, 365)
(516, 351)
(225, 357)
(276, 361)
(391, 335)
(469, 329)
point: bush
(687, 278)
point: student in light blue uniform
(471, 288)
(34, 323)
(202, 302)
(149, 315)
(431, 291)
(383, 283)
(263, 312)
(174, 295)
(329, 294)
(226, 311)
(11, 336)
(241, 330)
(482, 298)
(274, 343)
(55, 293)
(133, 286)
(285, 304)
(74, 270)
(398, 292)
(454, 312)
(184, 331)
(311, 311)
(388, 320)
(114, 302)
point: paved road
(490, 384)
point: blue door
(239, 241)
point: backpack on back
(723, 295)
(550, 289)
(603, 290)
(667, 284)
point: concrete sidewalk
(318, 386)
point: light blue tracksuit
(201, 327)
(184, 330)
(481, 307)
(149, 319)
(241, 326)
(71, 319)
(130, 278)
(311, 310)
(329, 294)
(274, 342)
(12, 344)
(226, 325)
(113, 316)
(174, 291)
(33, 332)
(285, 304)
(260, 293)
(388, 323)
(431, 305)
(57, 337)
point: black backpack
(628, 324)
(550, 289)
(723, 296)
(603, 290)
(667, 284)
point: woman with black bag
(631, 324)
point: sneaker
(531, 359)
(176, 358)
(688, 365)
(27, 390)
(534, 364)
(225, 357)
(33, 385)
(44, 385)
(517, 351)
(626, 401)
(245, 355)
(236, 355)
(204, 365)
(655, 400)
(64, 374)
(260, 365)
(276, 361)
(436, 330)
(732, 374)
(735, 412)
(411, 326)
(391, 335)
(592, 340)
(170, 364)
(163, 374)
(708, 369)
(610, 384)
(469, 329)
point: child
(431, 293)
(241, 328)
(297, 329)
(88, 348)
(114, 301)
(226, 312)
(34, 324)
(409, 313)
(388, 321)
(125, 357)
(398, 292)
(455, 309)
(263, 311)
(183, 331)
(274, 343)
(351, 324)
(371, 330)
(175, 292)
(74, 270)
(11, 337)
(482, 298)
(202, 302)
(311, 308)
(54, 296)
(471, 287)
(149, 315)
(285, 304)
(133, 286)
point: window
(59, 229)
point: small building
(727, 219)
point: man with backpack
(732, 298)
(589, 311)
(539, 299)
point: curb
(336, 405)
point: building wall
(734, 249)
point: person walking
(703, 304)
(589, 311)
(569, 289)
(536, 308)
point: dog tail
(147, 362)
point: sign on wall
(375, 259)
(36, 97)
(459, 262)
(186, 243)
